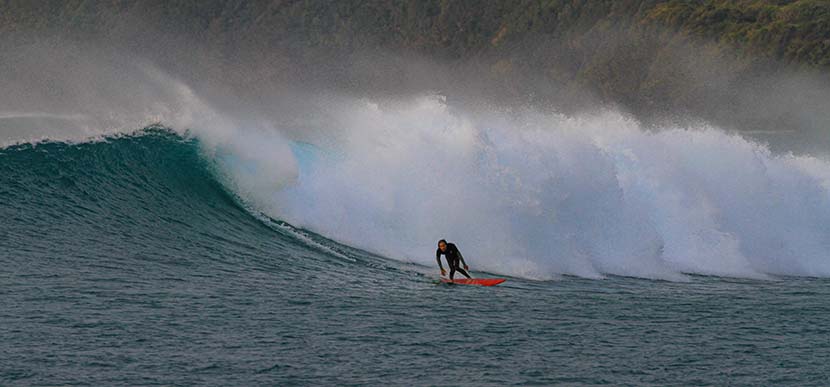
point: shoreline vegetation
(793, 31)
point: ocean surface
(129, 260)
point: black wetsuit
(454, 257)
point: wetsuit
(454, 257)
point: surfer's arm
(438, 259)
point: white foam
(538, 195)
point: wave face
(539, 195)
(135, 203)
(523, 193)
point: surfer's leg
(462, 271)
(454, 266)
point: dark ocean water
(126, 261)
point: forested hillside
(791, 30)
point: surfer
(454, 257)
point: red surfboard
(474, 281)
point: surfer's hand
(443, 272)
(466, 267)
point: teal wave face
(147, 196)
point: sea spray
(537, 195)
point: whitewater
(539, 195)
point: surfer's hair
(444, 241)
